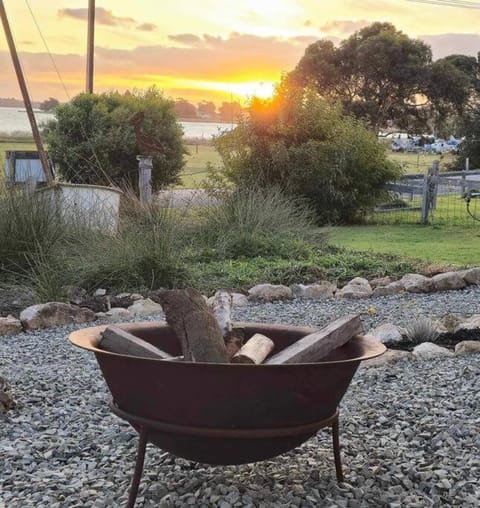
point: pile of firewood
(206, 334)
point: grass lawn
(419, 162)
(458, 245)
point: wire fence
(442, 198)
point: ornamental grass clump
(422, 329)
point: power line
(464, 4)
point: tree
(185, 109)
(230, 111)
(92, 139)
(377, 73)
(49, 104)
(306, 145)
(206, 109)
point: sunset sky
(208, 49)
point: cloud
(102, 16)
(147, 27)
(344, 26)
(452, 44)
(187, 39)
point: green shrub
(305, 144)
(250, 222)
(92, 140)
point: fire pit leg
(336, 450)
(142, 444)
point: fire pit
(223, 414)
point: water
(14, 120)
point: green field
(458, 245)
(420, 162)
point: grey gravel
(410, 432)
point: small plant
(422, 329)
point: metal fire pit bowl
(223, 414)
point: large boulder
(386, 334)
(472, 323)
(269, 293)
(416, 283)
(115, 314)
(472, 276)
(380, 281)
(239, 300)
(145, 307)
(429, 350)
(49, 314)
(448, 281)
(10, 326)
(356, 288)
(467, 347)
(394, 288)
(318, 291)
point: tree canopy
(304, 144)
(388, 79)
(92, 139)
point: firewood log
(234, 341)
(222, 309)
(255, 350)
(188, 314)
(318, 345)
(119, 341)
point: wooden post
(430, 188)
(25, 95)
(90, 45)
(145, 165)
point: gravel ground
(410, 432)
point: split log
(119, 341)
(255, 350)
(319, 344)
(188, 314)
(222, 309)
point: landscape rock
(380, 281)
(472, 323)
(270, 293)
(435, 268)
(136, 296)
(356, 288)
(386, 334)
(114, 314)
(467, 347)
(416, 283)
(390, 356)
(429, 351)
(6, 399)
(322, 289)
(49, 314)
(100, 292)
(448, 281)
(145, 307)
(75, 294)
(472, 276)
(452, 321)
(239, 300)
(123, 300)
(10, 325)
(394, 288)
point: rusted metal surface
(224, 413)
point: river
(15, 120)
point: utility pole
(26, 98)
(90, 45)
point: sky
(214, 50)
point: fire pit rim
(86, 338)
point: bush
(250, 222)
(92, 140)
(301, 142)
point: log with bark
(319, 344)
(116, 340)
(196, 327)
